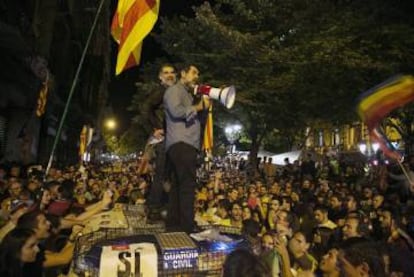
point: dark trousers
(182, 158)
(157, 186)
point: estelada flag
(132, 22)
(208, 131)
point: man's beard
(169, 82)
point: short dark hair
(51, 184)
(186, 67)
(251, 228)
(10, 250)
(165, 65)
(364, 224)
(242, 262)
(366, 252)
(225, 204)
(324, 209)
(29, 220)
(238, 203)
(337, 196)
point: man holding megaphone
(183, 141)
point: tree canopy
(293, 62)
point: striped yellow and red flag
(208, 131)
(132, 22)
(83, 140)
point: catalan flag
(208, 131)
(375, 104)
(42, 99)
(83, 140)
(132, 22)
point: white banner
(133, 260)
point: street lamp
(363, 148)
(369, 149)
(375, 146)
(232, 134)
(110, 124)
(109, 134)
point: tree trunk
(254, 150)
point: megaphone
(226, 95)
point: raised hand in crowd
(280, 245)
(107, 198)
(76, 232)
(158, 133)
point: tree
(130, 142)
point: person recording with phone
(183, 141)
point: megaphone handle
(205, 99)
(201, 105)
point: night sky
(122, 87)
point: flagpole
(72, 89)
(405, 172)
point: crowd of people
(41, 219)
(329, 219)
(319, 215)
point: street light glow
(110, 124)
(233, 132)
(362, 148)
(228, 130)
(375, 147)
